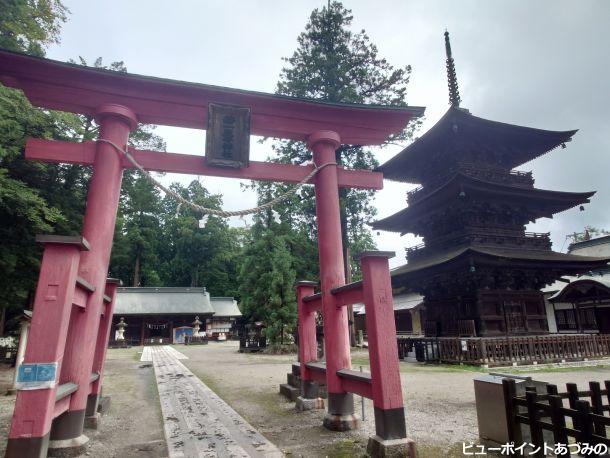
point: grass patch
(346, 448)
(535, 370)
(435, 451)
(269, 402)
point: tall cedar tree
(267, 276)
(335, 64)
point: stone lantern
(196, 325)
(121, 325)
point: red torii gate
(74, 299)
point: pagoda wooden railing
(482, 237)
(510, 178)
(506, 351)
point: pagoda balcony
(491, 237)
(495, 175)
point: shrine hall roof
(79, 89)
(545, 201)
(500, 254)
(163, 301)
(401, 302)
(459, 131)
(225, 307)
(582, 287)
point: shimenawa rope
(213, 211)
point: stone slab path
(197, 422)
(147, 353)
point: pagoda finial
(454, 93)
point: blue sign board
(35, 376)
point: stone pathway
(147, 353)
(197, 422)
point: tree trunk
(195, 278)
(2, 320)
(136, 272)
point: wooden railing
(582, 420)
(505, 351)
(510, 178)
(482, 237)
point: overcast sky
(542, 64)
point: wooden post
(558, 420)
(572, 389)
(23, 338)
(584, 423)
(101, 347)
(597, 407)
(383, 353)
(308, 345)
(33, 414)
(535, 428)
(510, 392)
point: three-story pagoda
(478, 269)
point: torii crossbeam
(74, 299)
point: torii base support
(310, 398)
(340, 416)
(391, 448)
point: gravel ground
(133, 426)
(440, 406)
(439, 402)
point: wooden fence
(505, 351)
(582, 422)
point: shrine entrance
(74, 299)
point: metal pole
(362, 401)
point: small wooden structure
(252, 338)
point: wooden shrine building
(479, 270)
(166, 315)
(582, 304)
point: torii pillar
(340, 415)
(29, 434)
(116, 122)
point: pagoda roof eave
(491, 254)
(558, 200)
(79, 89)
(458, 130)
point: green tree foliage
(43, 198)
(335, 64)
(29, 25)
(188, 255)
(588, 233)
(26, 26)
(266, 279)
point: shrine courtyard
(439, 400)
